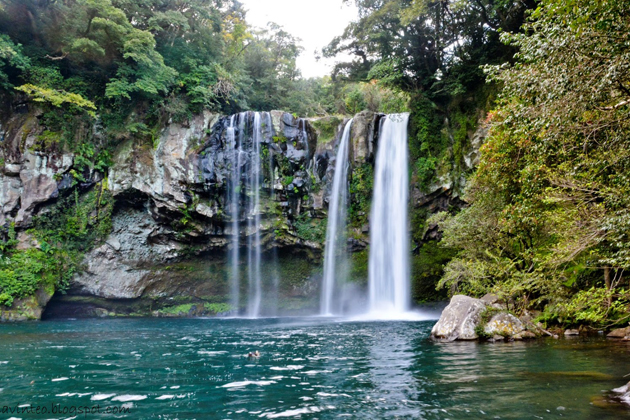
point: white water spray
(389, 235)
(335, 231)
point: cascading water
(335, 231)
(275, 276)
(389, 235)
(234, 185)
(253, 223)
(245, 194)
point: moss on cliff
(326, 128)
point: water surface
(310, 368)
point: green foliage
(359, 267)
(23, 272)
(427, 143)
(217, 308)
(326, 128)
(138, 65)
(596, 306)
(310, 229)
(373, 96)
(76, 222)
(11, 58)
(361, 187)
(427, 268)
(183, 309)
(58, 98)
(64, 234)
(548, 224)
(433, 47)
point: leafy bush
(310, 229)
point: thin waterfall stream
(245, 186)
(234, 186)
(335, 231)
(253, 223)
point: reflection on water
(309, 369)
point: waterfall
(234, 186)
(275, 275)
(389, 235)
(335, 231)
(253, 223)
(245, 186)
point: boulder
(619, 333)
(490, 299)
(528, 334)
(504, 324)
(459, 319)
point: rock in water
(459, 319)
(619, 333)
(504, 324)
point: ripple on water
(292, 413)
(365, 370)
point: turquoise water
(309, 368)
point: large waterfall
(334, 264)
(389, 234)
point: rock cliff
(165, 240)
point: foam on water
(127, 398)
(292, 413)
(101, 397)
(242, 384)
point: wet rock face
(118, 268)
(172, 202)
(29, 177)
(365, 127)
(459, 319)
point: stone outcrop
(29, 177)
(620, 333)
(504, 324)
(27, 309)
(466, 318)
(171, 207)
(459, 319)
(188, 171)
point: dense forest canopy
(148, 61)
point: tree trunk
(607, 282)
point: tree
(554, 168)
